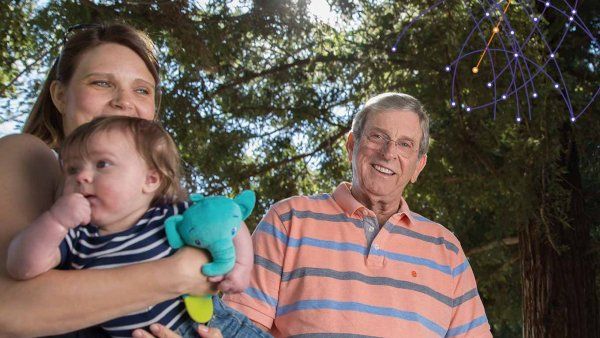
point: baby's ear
(152, 183)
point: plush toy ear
(175, 240)
(196, 197)
(246, 202)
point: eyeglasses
(69, 33)
(79, 27)
(403, 147)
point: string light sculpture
(519, 70)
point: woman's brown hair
(45, 121)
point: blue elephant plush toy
(210, 223)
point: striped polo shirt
(85, 248)
(318, 271)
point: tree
(257, 94)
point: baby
(121, 182)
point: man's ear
(420, 165)
(350, 145)
(152, 183)
(58, 93)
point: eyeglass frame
(71, 29)
(383, 140)
(79, 26)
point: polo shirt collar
(352, 207)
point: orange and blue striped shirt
(317, 271)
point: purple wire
(521, 74)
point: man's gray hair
(393, 101)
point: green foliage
(259, 96)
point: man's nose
(389, 149)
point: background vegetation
(260, 94)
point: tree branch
(325, 144)
(505, 241)
(298, 63)
(37, 59)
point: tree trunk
(559, 295)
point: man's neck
(383, 208)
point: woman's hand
(160, 331)
(185, 267)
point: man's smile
(383, 169)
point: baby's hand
(71, 210)
(236, 281)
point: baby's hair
(151, 141)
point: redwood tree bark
(559, 294)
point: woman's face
(109, 79)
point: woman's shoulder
(21, 140)
(30, 176)
(26, 162)
(24, 146)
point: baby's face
(113, 177)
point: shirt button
(376, 246)
(371, 228)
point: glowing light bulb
(573, 12)
(518, 119)
(468, 109)
(572, 119)
(535, 19)
(556, 85)
(552, 55)
(547, 3)
(570, 18)
(534, 95)
(512, 32)
(475, 70)
(447, 68)
(495, 29)
(516, 55)
(453, 104)
(394, 49)
(504, 97)
(489, 84)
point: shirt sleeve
(259, 301)
(65, 247)
(468, 315)
(176, 208)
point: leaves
(258, 95)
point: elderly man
(358, 261)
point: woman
(102, 70)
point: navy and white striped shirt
(85, 248)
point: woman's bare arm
(36, 249)
(63, 301)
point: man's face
(381, 169)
